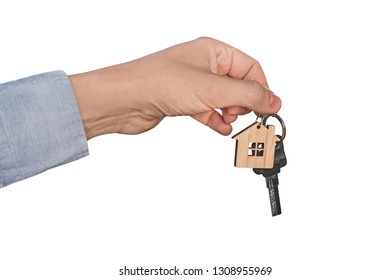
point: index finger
(229, 61)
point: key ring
(276, 116)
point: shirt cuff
(40, 126)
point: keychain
(259, 148)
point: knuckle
(259, 98)
(256, 93)
(205, 39)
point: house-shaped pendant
(255, 146)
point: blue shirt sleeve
(40, 126)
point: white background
(172, 196)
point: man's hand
(193, 78)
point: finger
(215, 121)
(236, 110)
(237, 64)
(227, 117)
(228, 92)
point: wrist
(111, 101)
(96, 110)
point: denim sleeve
(40, 126)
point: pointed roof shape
(253, 124)
(246, 130)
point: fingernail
(274, 100)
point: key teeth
(276, 208)
(272, 180)
(273, 190)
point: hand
(193, 78)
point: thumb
(249, 95)
(238, 97)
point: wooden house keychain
(259, 148)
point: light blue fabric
(40, 126)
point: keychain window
(256, 149)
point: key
(271, 177)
